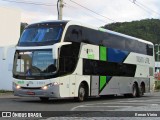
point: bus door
(64, 86)
(72, 85)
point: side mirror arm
(56, 47)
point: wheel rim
(81, 93)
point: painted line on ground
(89, 106)
(153, 102)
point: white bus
(58, 59)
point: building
(9, 35)
(6, 65)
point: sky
(107, 11)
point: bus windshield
(34, 36)
(34, 63)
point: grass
(157, 84)
(5, 91)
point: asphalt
(111, 108)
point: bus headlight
(53, 84)
(45, 87)
(18, 87)
(50, 85)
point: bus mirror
(56, 48)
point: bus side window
(90, 36)
(104, 43)
(130, 45)
(149, 50)
(73, 34)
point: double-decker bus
(58, 59)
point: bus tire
(141, 90)
(82, 92)
(44, 99)
(134, 90)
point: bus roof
(63, 22)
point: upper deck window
(40, 36)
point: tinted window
(112, 41)
(149, 49)
(46, 35)
(130, 45)
(91, 36)
(74, 34)
(96, 37)
(68, 58)
(41, 34)
(96, 67)
(34, 63)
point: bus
(61, 59)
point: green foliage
(157, 87)
(148, 29)
(2, 91)
(5, 91)
(157, 84)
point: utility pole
(60, 9)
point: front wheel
(82, 93)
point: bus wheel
(44, 99)
(141, 90)
(82, 93)
(134, 90)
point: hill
(148, 29)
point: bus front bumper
(52, 92)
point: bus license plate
(30, 93)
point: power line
(70, 6)
(145, 8)
(29, 2)
(92, 11)
(134, 2)
(148, 8)
(91, 16)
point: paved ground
(149, 105)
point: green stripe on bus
(103, 53)
(102, 82)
